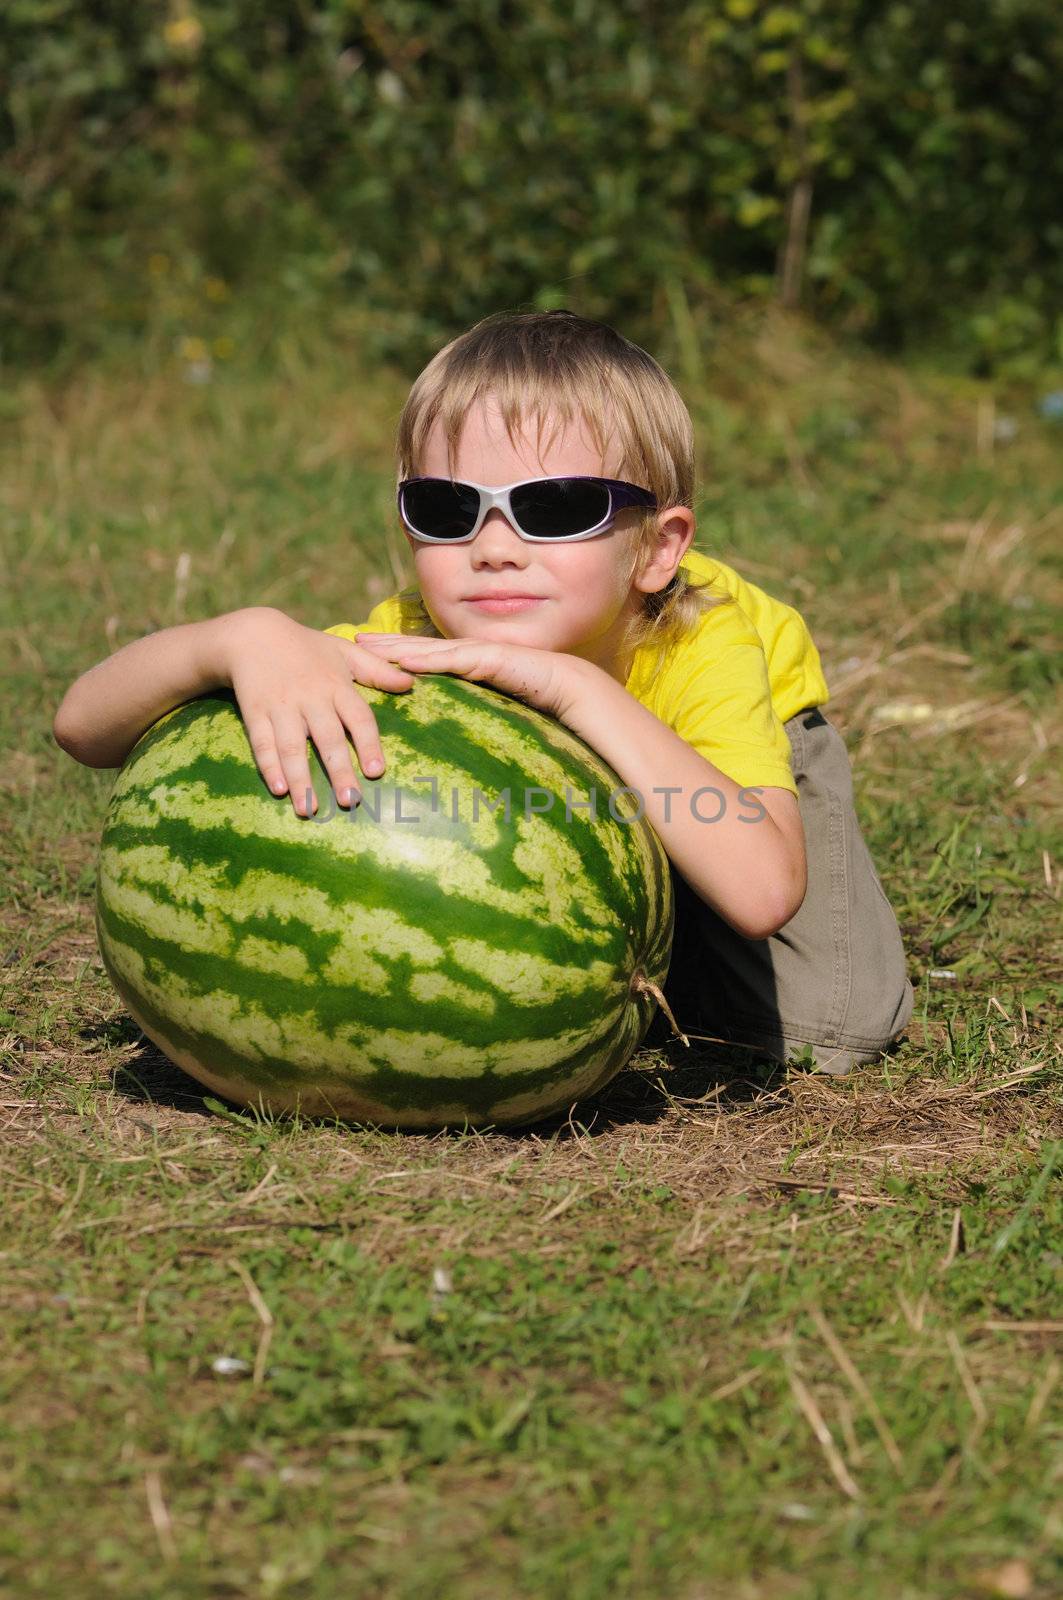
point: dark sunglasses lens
(559, 507)
(441, 509)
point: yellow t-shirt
(726, 687)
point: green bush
(895, 169)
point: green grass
(732, 1331)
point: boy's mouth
(502, 603)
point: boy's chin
(517, 630)
(505, 624)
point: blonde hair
(534, 363)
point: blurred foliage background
(896, 170)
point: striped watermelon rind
(456, 971)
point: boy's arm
(741, 851)
(105, 711)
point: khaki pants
(834, 976)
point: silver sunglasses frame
(490, 498)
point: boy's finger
(387, 675)
(377, 642)
(264, 749)
(364, 733)
(290, 731)
(330, 739)
(371, 668)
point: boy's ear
(675, 531)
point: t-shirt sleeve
(399, 613)
(716, 695)
(347, 630)
(387, 617)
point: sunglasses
(440, 511)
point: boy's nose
(497, 537)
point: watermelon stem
(642, 984)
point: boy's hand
(543, 678)
(292, 682)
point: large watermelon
(456, 968)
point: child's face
(582, 599)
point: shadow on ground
(645, 1092)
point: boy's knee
(873, 1037)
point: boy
(546, 484)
